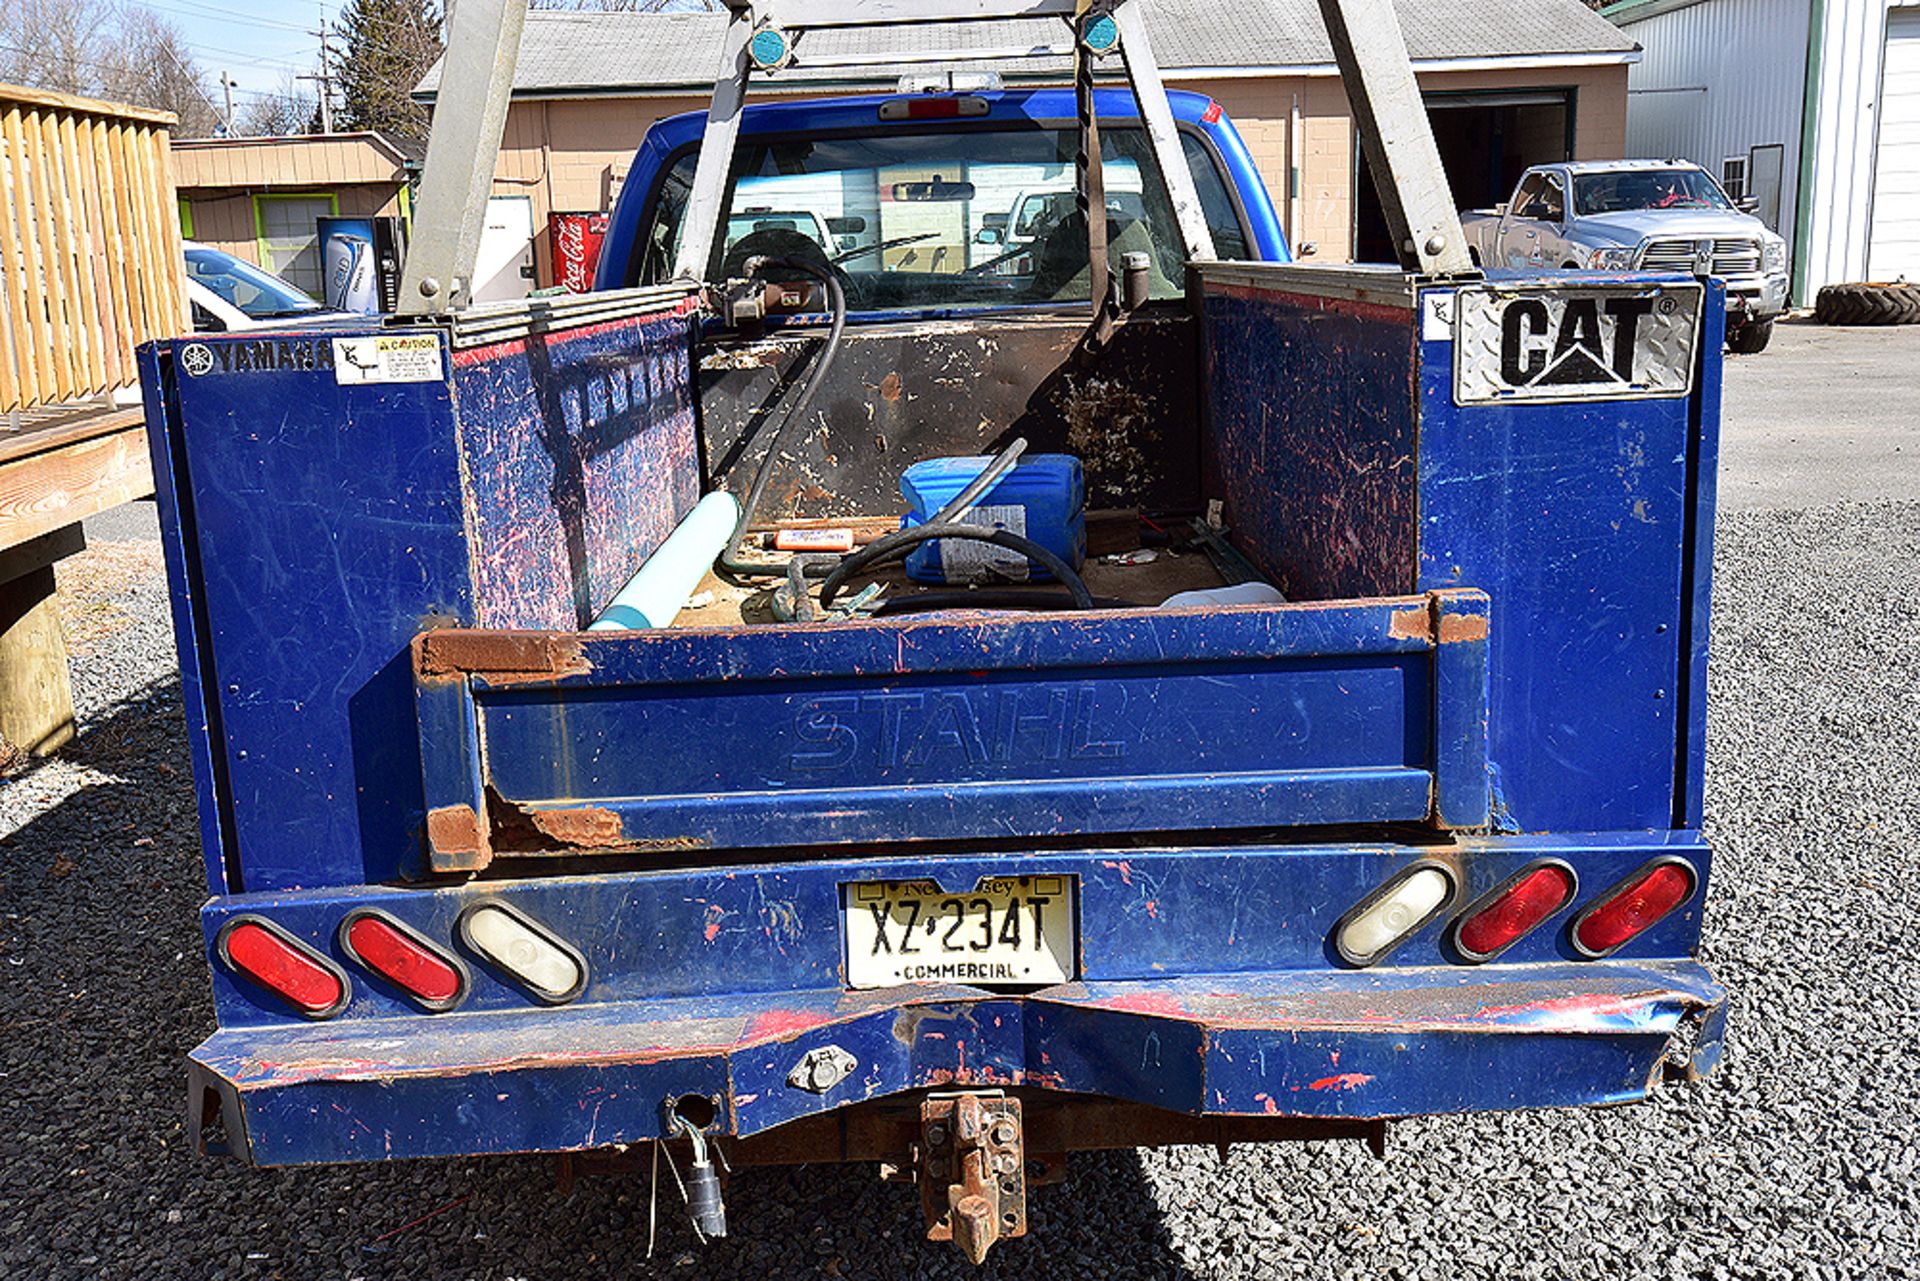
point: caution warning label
(387, 358)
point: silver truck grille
(1730, 257)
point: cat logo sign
(1575, 343)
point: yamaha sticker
(255, 356)
(1575, 342)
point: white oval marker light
(547, 967)
(1407, 905)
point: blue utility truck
(868, 685)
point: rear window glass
(912, 220)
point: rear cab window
(945, 218)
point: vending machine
(576, 249)
(361, 259)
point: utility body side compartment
(1061, 725)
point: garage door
(1896, 183)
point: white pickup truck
(1639, 215)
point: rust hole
(697, 1110)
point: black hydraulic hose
(907, 539)
(837, 298)
(988, 598)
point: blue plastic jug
(1043, 498)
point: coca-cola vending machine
(576, 249)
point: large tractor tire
(1868, 304)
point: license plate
(1008, 931)
(1575, 342)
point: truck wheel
(1868, 304)
(1751, 338)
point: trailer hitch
(973, 1170)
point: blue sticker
(769, 47)
(1101, 35)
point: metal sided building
(1811, 107)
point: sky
(257, 42)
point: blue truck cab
(644, 227)
(1354, 773)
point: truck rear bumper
(1330, 1045)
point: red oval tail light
(1632, 907)
(257, 949)
(1500, 919)
(428, 976)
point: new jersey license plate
(1008, 931)
(1575, 342)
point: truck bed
(1143, 577)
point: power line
(118, 68)
(243, 58)
(199, 9)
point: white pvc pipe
(655, 596)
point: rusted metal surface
(586, 827)
(1457, 629)
(458, 838)
(901, 393)
(502, 658)
(1314, 438)
(972, 1170)
(1412, 624)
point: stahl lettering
(951, 729)
(1045, 731)
(1084, 746)
(893, 709)
(824, 721)
(950, 726)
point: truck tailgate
(966, 726)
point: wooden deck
(62, 465)
(90, 268)
(65, 464)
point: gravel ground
(1797, 1160)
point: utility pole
(325, 76)
(228, 83)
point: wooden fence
(89, 244)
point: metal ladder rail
(463, 146)
(483, 46)
(795, 17)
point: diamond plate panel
(1575, 342)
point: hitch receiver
(973, 1170)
